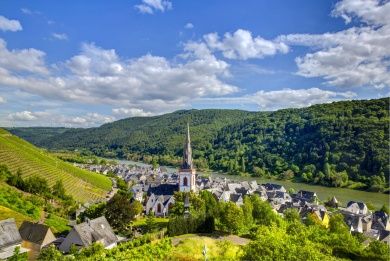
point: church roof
(163, 189)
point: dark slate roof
(352, 220)
(380, 215)
(306, 194)
(9, 234)
(383, 234)
(33, 232)
(379, 220)
(242, 191)
(276, 194)
(163, 189)
(235, 197)
(360, 204)
(271, 186)
(97, 229)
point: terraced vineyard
(81, 184)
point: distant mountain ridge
(330, 144)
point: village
(155, 190)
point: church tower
(187, 171)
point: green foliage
(385, 209)
(232, 218)
(58, 189)
(119, 212)
(57, 224)
(151, 223)
(93, 211)
(263, 213)
(5, 173)
(50, 253)
(292, 215)
(11, 198)
(17, 256)
(36, 185)
(197, 204)
(179, 225)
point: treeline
(342, 144)
(339, 144)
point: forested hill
(331, 144)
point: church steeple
(187, 171)
(187, 152)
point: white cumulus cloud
(130, 112)
(22, 116)
(189, 26)
(60, 36)
(285, 98)
(25, 60)
(9, 25)
(99, 76)
(150, 6)
(242, 45)
(357, 56)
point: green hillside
(341, 144)
(161, 135)
(19, 154)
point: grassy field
(342, 194)
(191, 246)
(81, 184)
(57, 224)
(6, 213)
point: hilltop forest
(341, 144)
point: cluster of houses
(33, 237)
(129, 173)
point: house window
(185, 181)
(159, 208)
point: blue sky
(85, 63)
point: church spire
(187, 152)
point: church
(160, 198)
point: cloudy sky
(85, 63)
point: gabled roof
(33, 232)
(163, 189)
(97, 229)
(361, 205)
(272, 186)
(307, 194)
(9, 234)
(353, 221)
